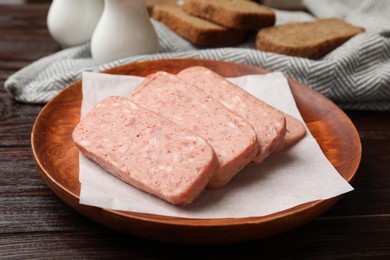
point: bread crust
(311, 40)
(196, 30)
(227, 14)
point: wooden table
(34, 222)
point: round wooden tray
(57, 159)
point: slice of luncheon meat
(295, 132)
(268, 122)
(146, 150)
(233, 138)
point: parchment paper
(298, 175)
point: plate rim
(180, 221)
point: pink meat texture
(146, 150)
(232, 138)
(295, 132)
(268, 122)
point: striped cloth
(355, 76)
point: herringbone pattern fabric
(356, 75)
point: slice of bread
(311, 40)
(196, 30)
(239, 14)
(151, 3)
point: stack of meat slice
(265, 119)
(177, 134)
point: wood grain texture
(57, 157)
(35, 223)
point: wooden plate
(57, 159)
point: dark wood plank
(16, 121)
(317, 240)
(24, 37)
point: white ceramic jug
(124, 29)
(72, 22)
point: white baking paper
(295, 176)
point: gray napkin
(355, 76)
